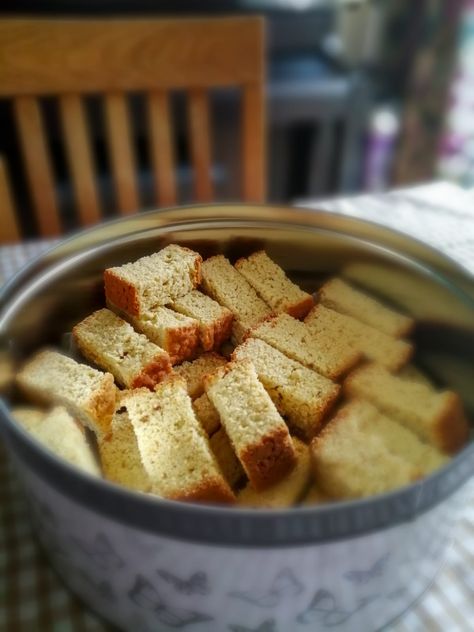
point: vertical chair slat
(254, 146)
(38, 164)
(162, 152)
(79, 153)
(9, 231)
(119, 135)
(319, 159)
(200, 143)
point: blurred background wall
(362, 94)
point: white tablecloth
(441, 214)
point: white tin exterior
(146, 582)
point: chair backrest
(73, 59)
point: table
(33, 598)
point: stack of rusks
(219, 383)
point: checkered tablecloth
(32, 597)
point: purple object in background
(451, 144)
(383, 133)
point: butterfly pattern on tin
(284, 586)
(325, 610)
(266, 626)
(365, 576)
(196, 584)
(100, 552)
(145, 595)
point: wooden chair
(72, 59)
